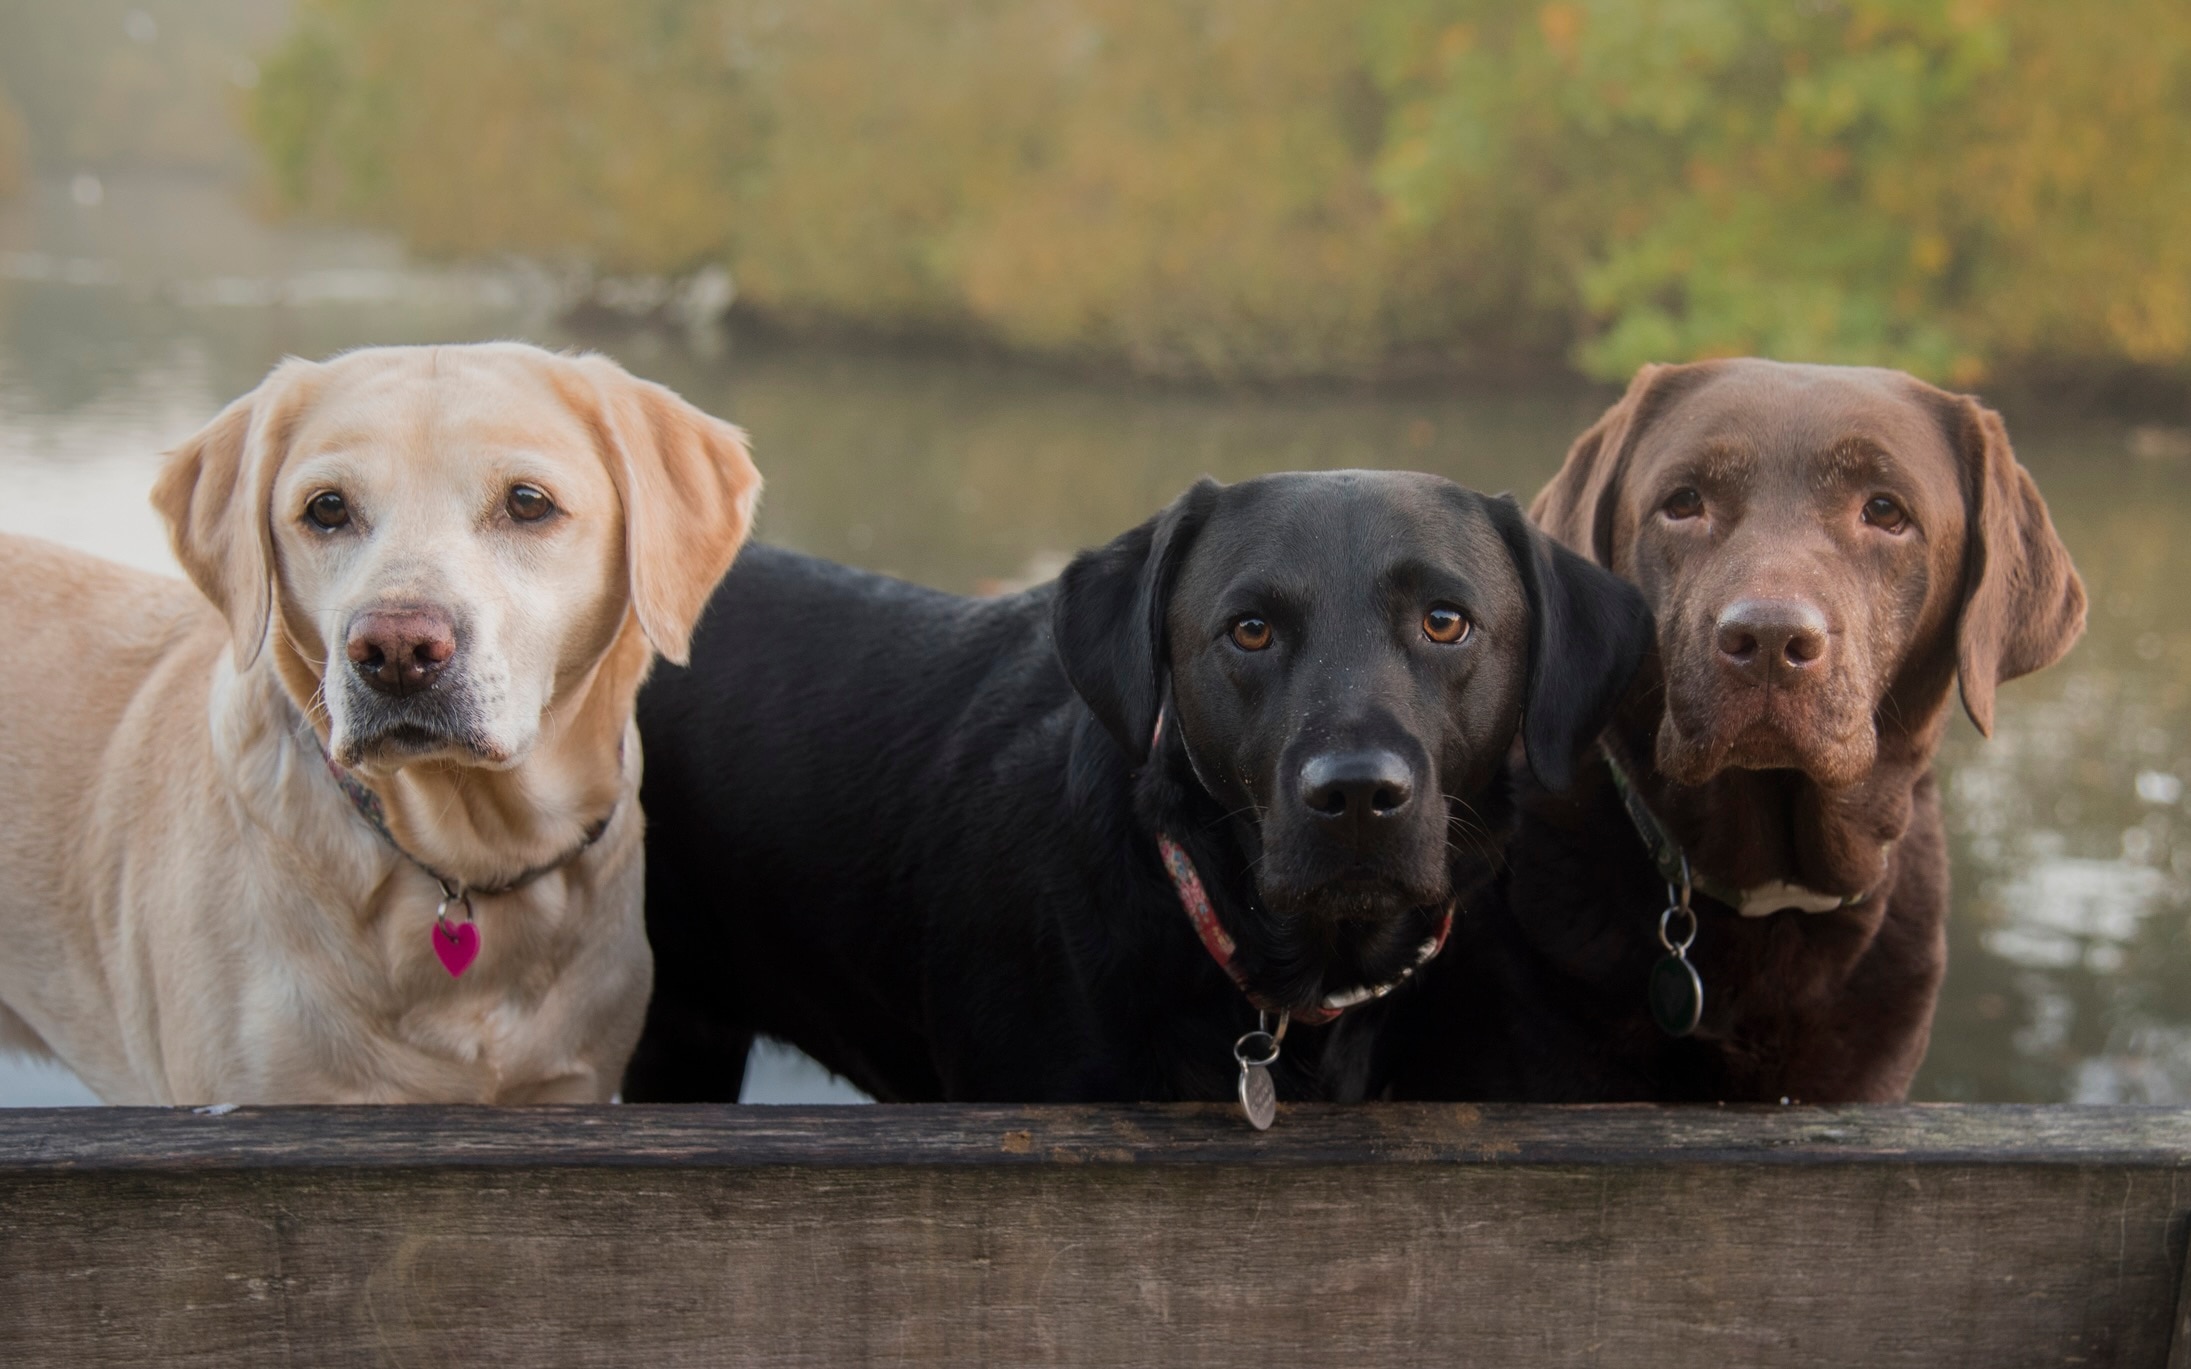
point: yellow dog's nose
(401, 651)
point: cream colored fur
(191, 911)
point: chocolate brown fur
(1798, 751)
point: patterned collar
(1219, 943)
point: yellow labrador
(364, 827)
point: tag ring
(1241, 1047)
(1273, 1037)
(1677, 901)
(449, 896)
(1665, 924)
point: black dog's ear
(1589, 630)
(1109, 619)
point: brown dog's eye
(1684, 503)
(328, 511)
(528, 505)
(1886, 515)
(1447, 625)
(1251, 634)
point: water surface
(126, 325)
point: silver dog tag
(1258, 1097)
(1257, 1052)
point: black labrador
(945, 845)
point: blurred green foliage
(1937, 184)
(1282, 187)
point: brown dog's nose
(401, 651)
(1766, 637)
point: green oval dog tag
(1677, 995)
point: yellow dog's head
(435, 545)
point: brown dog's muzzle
(1767, 678)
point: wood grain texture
(1622, 1236)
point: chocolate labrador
(1234, 769)
(1828, 551)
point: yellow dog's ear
(688, 487)
(214, 492)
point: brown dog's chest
(1829, 1006)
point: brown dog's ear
(1580, 504)
(214, 492)
(688, 487)
(2023, 604)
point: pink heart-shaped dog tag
(457, 943)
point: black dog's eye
(328, 511)
(528, 504)
(1445, 624)
(1886, 515)
(1683, 503)
(1251, 634)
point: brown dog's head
(1820, 544)
(436, 545)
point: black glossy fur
(884, 825)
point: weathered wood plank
(2179, 1343)
(1610, 1236)
(174, 1139)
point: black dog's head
(1348, 657)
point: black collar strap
(369, 807)
(1673, 867)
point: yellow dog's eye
(1251, 634)
(328, 511)
(1445, 624)
(528, 504)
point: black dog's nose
(1766, 637)
(401, 651)
(1356, 786)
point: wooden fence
(1402, 1235)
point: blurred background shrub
(1234, 188)
(1936, 184)
(131, 84)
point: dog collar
(1219, 943)
(1759, 900)
(375, 814)
(1258, 1050)
(456, 945)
